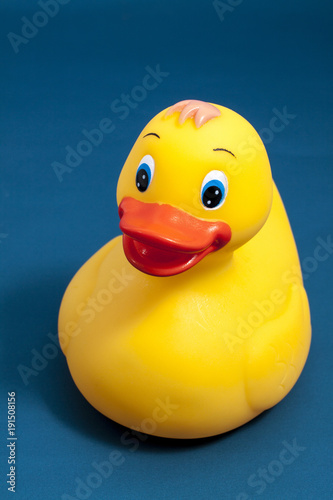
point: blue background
(262, 55)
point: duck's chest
(195, 323)
(191, 308)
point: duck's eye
(145, 173)
(214, 189)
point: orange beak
(162, 240)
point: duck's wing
(277, 351)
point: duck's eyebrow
(151, 133)
(227, 150)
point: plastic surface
(219, 334)
(163, 241)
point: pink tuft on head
(202, 111)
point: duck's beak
(162, 240)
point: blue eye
(145, 173)
(214, 190)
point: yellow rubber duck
(195, 320)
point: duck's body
(193, 354)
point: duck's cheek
(162, 240)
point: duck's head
(197, 181)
